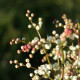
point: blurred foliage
(13, 24)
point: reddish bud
(11, 43)
(10, 61)
(29, 46)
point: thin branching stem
(62, 63)
(36, 29)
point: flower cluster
(63, 49)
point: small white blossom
(49, 38)
(58, 41)
(37, 27)
(47, 46)
(29, 26)
(53, 32)
(28, 65)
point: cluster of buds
(34, 25)
(61, 52)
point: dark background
(13, 24)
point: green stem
(49, 77)
(48, 60)
(46, 55)
(36, 30)
(62, 63)
(70, 60)
(58, 60)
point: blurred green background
(13, 24)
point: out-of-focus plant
(61, 52)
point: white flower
(36, 77)
(29, 26)
(49, 66)
(27, 60)
(74, 78)
(68, 52)
(28, 65)
(57, 77)
(42, 67)
(37, 27)
(42, 51)
(34, 24)
(53, 51)
(53, 32)
(56, 67)
(79, 63)
(40, 23)
(58, 41)
(57, 47)
(40, 72)
(35, 71)
(77, 46)
(55, 57)
(48, 73)
(64, 54)
(66, 77)
(49, 38)
(65, 26)
(72, 48)
(75, 63)
(39, 19)
(60, 24)
(77, 36)
(57, 35)
(65, 43)
(35, 40)
(31, 74)
(47, 46)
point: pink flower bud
(69, 74)
(42, 61)
(69, 35)
(25, 46)
(13, 40)
(74, 29)
(27, 50)
(29, 46)
(30, 55)
(11, 43)
(10, 61)
(70, 31)
(63, 39)
(66, 30)
(18, 51)
(68, 55)
(59, 54)
(33, 49)
(44, 58)
(74, 58)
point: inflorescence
(64, 50)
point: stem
(69, 59)
(46, 55)
(34, 68)
(79, 48)
(58, 60)
(48, 60)
(49, 77)
(36, 30)
(79, 53)
(30, 67)
(62, 63)
(78, 44)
